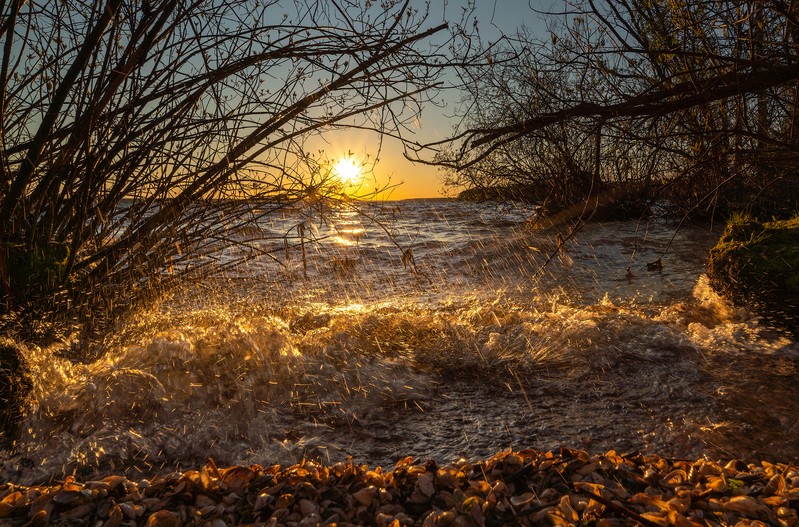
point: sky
(414, 180)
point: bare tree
(132, 130)
(696, 97)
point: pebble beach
(565, 487)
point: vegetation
(690, 102)
(133, 131)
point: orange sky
(419, 180)
(406, 179)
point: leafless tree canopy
(696, 100)
(121, 118)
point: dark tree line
(694, 102)
(131, 132)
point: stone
(15, 384)
(756, 265)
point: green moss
(757, 264)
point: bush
(139, 137)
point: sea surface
(428, 328)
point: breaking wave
(479, 351)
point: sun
(348, 170)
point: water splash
(479, 352)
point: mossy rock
(756, 265)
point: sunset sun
(348, 170)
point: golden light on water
(348, 170)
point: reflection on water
(478, 351)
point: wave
(255, 381)
(512, 339)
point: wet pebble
(564, 487)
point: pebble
(564, 487)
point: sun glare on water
(348, 170)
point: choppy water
(481, 349)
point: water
(482, 348)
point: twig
(301, 231)
(615, 507)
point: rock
(15, 383)
(756, 265)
